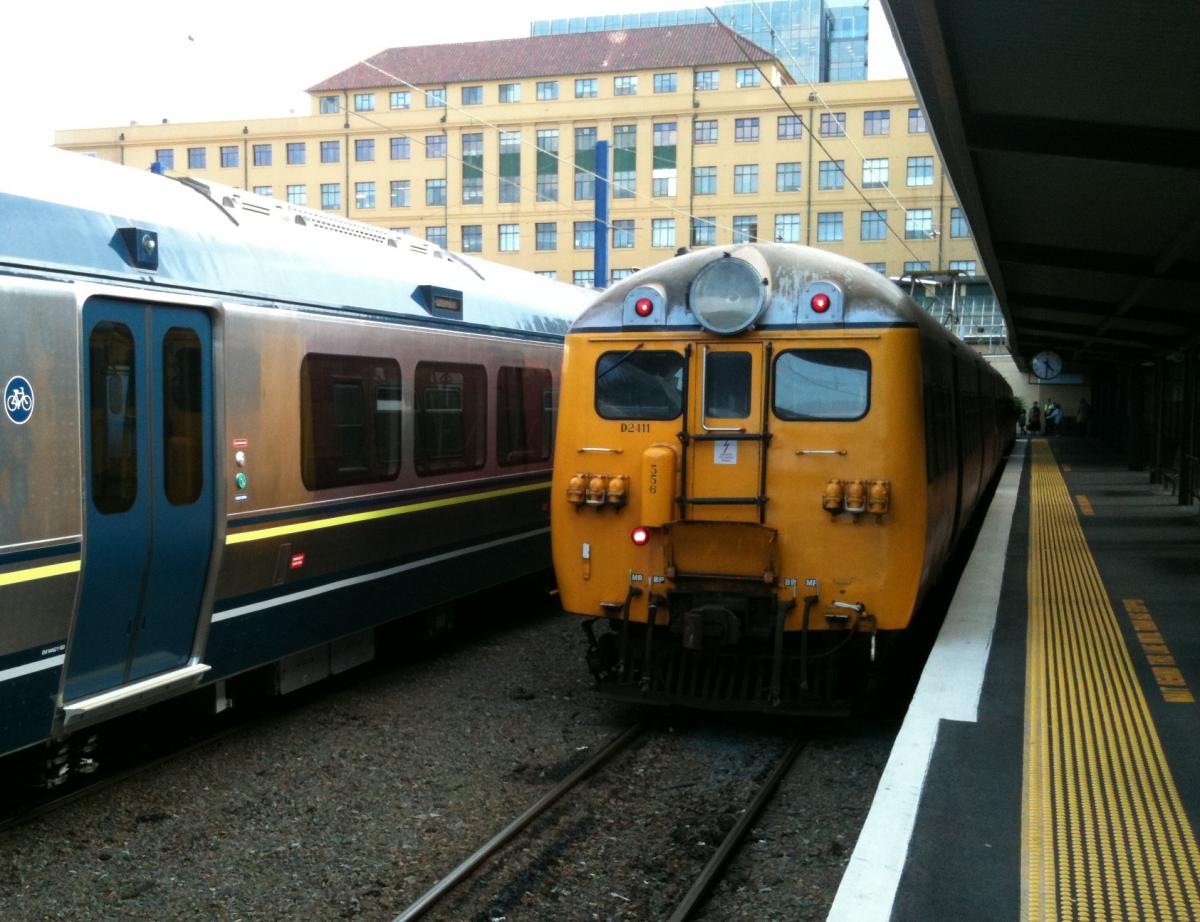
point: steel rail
(547, 800)
(725, 851)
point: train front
(739, 499)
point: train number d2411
(635, 427)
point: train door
(148, 493)
(726, 432)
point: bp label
(18, 399)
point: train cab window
(825, 384)
(183, 408)
(639, 384)
(727, 385)
(113, 412)
(451, 407)
(350, 415)
(524, 415)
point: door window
(727, 385)
(183, 429)
(113, 419)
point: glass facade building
(822, 41)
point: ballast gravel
(352, 803)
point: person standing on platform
(1054, 417)
(1035, 419)
(1081, 416)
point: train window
(113, 388)
(832, 384)
(727, 385)
(183, 408)
(350, 414)
(639, 384)
(524, 415)
(451, 409)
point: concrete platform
(1049, 766)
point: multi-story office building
(489, 148)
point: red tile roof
(549, 55)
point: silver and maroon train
(238, 433)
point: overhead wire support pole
(600, 239)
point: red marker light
(640, 535)
(819, 303)
(644, 307)
(297, 562)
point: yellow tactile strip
(1105, 836)
(1162, 663)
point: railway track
(703, 882)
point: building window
(618, 274)
(705, 131)
(585, 164)
(364, 102)
(472, 96)
(624, 86)
(708, 79)
(547, 165)
(297, 195)
(622, 235)
(918, 265)
(916, 122)
(262, 154)
(510, 238)
(745, 179)
(586, 88)
(435, 99)
(584, 278)
(546, 236)
(436, 235)
(666, 83)
(833, 124)
(787, 228)
(510, 167)
(831, 174)
(331, 151)
(967, 266)
(364, 149)
(472, 238)
(451, 423)
(435, 146)
(401, 230)
(745, 129)
(400, 99)
(663, 173)
(547, 90)
(787, 177)
(624, 161)
(329, 105)
(331, 195)
(958, 223)
(229, 156)
(874, 225)
(748, 77)
(295, 153)
(791, 128)
(918, 224)
(829, 226)
(197, 157)
(364, 194)
(745, 228)
(704, 180)
(510, 92)
(435, 192)
(877, 122)
(546, 273)
(704, 231)
(875, 172)
(401, 148)
(267, 191)
(920, 171)
(401, 193)
(662, 232)
(585, 235)
(881, 268)
(472, 168)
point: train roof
(64, 213)
(790, 272)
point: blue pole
(600, 250)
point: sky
(106, 63)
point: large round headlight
(727, 295)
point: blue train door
(148, 492)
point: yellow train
(767, 455)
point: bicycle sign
(18, 399)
